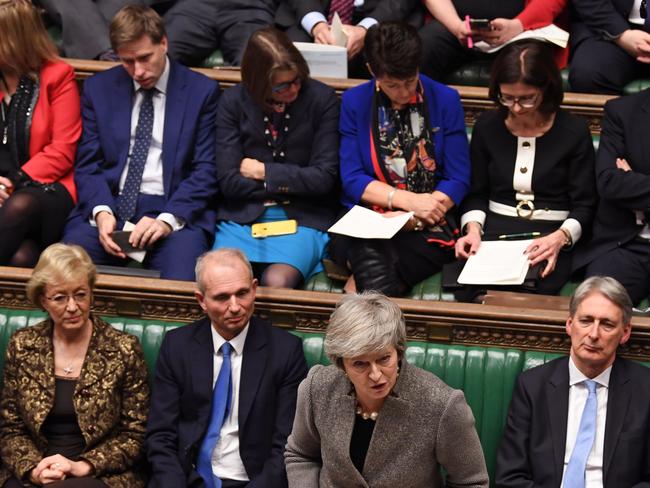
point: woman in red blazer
(40, 123)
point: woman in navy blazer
(277, 140)
(403, 148)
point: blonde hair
(134, 21)
(24, 44)
(59, 262)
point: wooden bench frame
(475, 99)
(520, 326)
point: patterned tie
(127, 201)
(345, 8)
(220, 408)
(575, 471)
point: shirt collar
(236, 342)
(576, 376)
(161, 84)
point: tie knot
(148, 92)
(225, 349)
(591, 386)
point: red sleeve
(539, 13)
(56, 125)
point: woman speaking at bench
(277, 163)
(532, 166)
(75, 395)
(39, 127)
(403, 148)
(373, 420)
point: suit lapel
(201, 369)
(176, 101)
(252, 369)
(341, 427)
(121, 107)
(641, 127)
(557, 401)
(618, 400)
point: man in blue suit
(147, 153)
(190, 441)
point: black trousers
(629, 264)
(196, 28)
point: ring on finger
(3, 187)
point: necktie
(575, 471)
(345, 8)
(127, 201)
(220, 408)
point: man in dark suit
(620, 246)
(582, 421)
(197, 27)
(146, 154)
(309, 20)
(610, 44)
(266, 365)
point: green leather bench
(486, 375)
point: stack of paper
(364, 223)
(497, 263)
(550, 33)
(324, 60)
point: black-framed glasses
(61, 300)
(528, 101)
(282, 87)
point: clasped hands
(58, 468)
(145, 233)
(430, 208)
(546, 248)
(356, 37)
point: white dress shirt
(312, 18)
(152, 175)
(635, 14)
(226, 461)
(578, 394)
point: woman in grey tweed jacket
(373, 420)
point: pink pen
(470, 41)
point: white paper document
(497, 263)
(324, 60)
(135, 255)
(550, 33)
(364, 223)
(337, 31)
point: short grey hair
(609, 288)
(362, 324)
(224, 257)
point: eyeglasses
(524, 102)
(61, 300)
(282, 87)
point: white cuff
(473, 216)
(574, 228)
(96, 210)
(367, 23)
(174, 223)
(311, 19)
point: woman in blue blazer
(277, 140)
(403, 148)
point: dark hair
(530, 62)
(134, 21)
(268, 51)
(393, 49)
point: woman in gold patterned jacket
(75, 396)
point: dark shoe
(375, 267)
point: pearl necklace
(367, 415)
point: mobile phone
(279, 228)
(479, 23)
(121, 238)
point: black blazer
(307, 179)
(624, 135)
(532, 449)
(273, 366)
(291, 12)
(604, 18)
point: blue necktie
(220, 408)
(575, 471)
(127, 201)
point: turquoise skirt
(303, 250)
